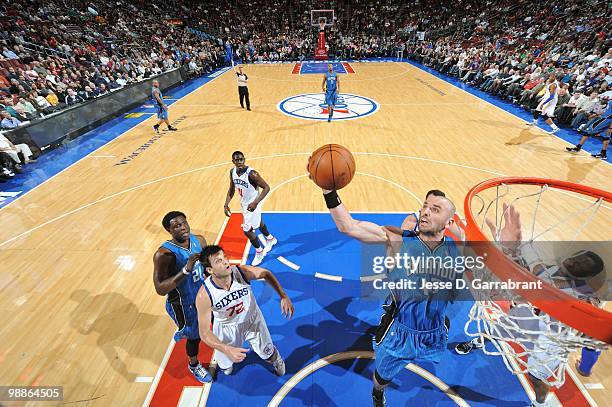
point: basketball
(331, 166)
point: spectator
(8, 53)
(6, 146)
(40, 103)
(72, 98)
(25, 107)
(8, 122)
(86, 93)
(566, 110)
(587, 112)
(112, 84)
(102, 90)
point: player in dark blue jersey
(414, 326)
(331, 87)
(178, 274)
(162, 108)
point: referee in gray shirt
(243, 90)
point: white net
(529, 339)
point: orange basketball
(331, 166)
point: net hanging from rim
(536, 331)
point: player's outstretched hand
(236, 355)
(227, 211)
(252, 206)
(191, 262)
(510, 233)
(287, 307)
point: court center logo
(312, 106)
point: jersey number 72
(236, 309)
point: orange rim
(580, 315)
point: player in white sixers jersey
(226, 295)
(248, 182)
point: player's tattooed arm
(230, 195)
(204, 306)
(256, 273)
(163, 260)
(324, 83)
(259, 182)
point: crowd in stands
(517, 52)
(59, 53)
(56, 54)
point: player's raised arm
(230, 195)
(256, 273)
(259, 182)
(367, 232)
(204, 308)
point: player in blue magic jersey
(331, 87)
(178, 274)
(414, 326)
(162, 108)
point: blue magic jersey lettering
(420, 309)
(330, 81)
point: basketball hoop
(535, 332)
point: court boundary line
(158, 374)
(177, 101)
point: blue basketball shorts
(402, 345)
(162, 113)
(186, 319)
(330, 98)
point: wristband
(332, 199)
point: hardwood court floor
(76, 253)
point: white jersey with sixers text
(246, 190)
(233, 306)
